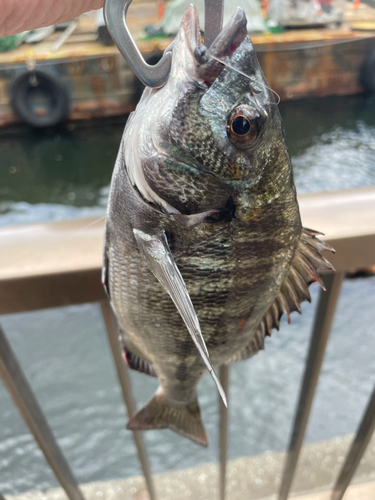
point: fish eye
(243, 126)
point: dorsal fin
(304, 270)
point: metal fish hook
(153, 76)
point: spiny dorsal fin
(304, 270)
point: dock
(298, 63)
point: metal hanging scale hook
(154, 76)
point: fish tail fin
(159, 413)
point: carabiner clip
(153, 76)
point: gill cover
(142, 138)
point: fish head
(213, 129)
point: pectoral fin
(160, 260)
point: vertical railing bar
(123, 376)
(213, 20)
(24, 399)
(223, 439)
(357, 449)
(318, 343)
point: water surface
(66, 173)
(65, 354)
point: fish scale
(191, 131)
(204, 248)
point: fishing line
(245, 75)
(276, 94)
(85, 227)
(66, 238)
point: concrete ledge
(364, 491)
(255, 478)
(47, 257)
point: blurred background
(65, 94)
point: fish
(204, 248)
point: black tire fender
(50, 87)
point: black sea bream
(204, 248)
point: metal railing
(67, 272)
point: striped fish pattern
(204, 248)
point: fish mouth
(222, 48)
(207, 67)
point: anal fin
(138, 364)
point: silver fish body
(203, 218)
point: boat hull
(297, 64)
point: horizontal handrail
(58, 263)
